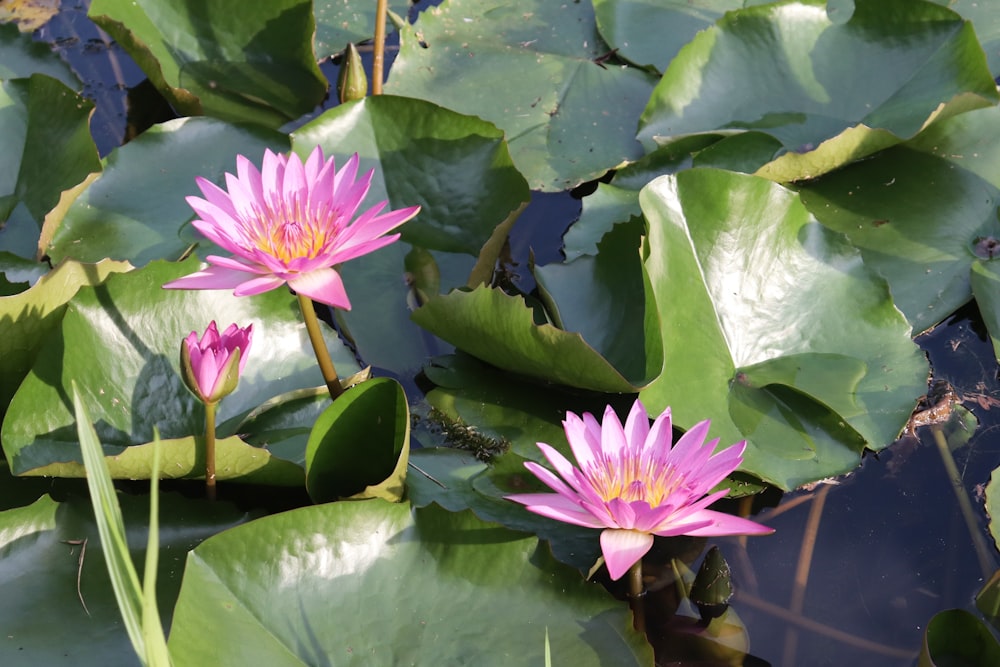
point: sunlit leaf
(464, 586)
(533, 69)
(224, 58)
(136, 209)
(789, 70)
(120, 342)
(360, 445)
(773, 328)
(917, 212)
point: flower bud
(211, 367)
(713, 587)
(352, 82)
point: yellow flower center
(634, 478)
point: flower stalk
(210, 409)
(319, 347)
(637, 596)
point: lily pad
(222, 58)
(42, 567)
(341, 21)
(135, 208)
(918, 210)
(773, 328)
(27, 318)
(789, 70)
(651, 32)
(956, 637)
(500, 329)
(21, 56)
(359, 446)
(450, 575)
(120, 342)
(535, 70)
(41, 118)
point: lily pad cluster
(781, 196)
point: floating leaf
(918, 210)
(27, 318)
(956, 637)
(360, 445)
(135, 208)
(534, 68)
(651, 32)
(789, 70)
(450, 575)
(42, 567)
(223, 58)
(21, 56)
(43, 118)
(120, 342)
(341, 21)
(773, 328)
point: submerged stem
(210, 450)
(319, 347)
(637, 596)
(986, 563)
(378, 60)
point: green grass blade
(111, 527)
(152, 628)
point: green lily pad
(135, 208)
(956, 637)
(223, 58)
(773, 328)
(359, 446)
(341, 21)
(450, 575)
(120, 342)
(986, 21)
(42, 567)
(789, 70)
(42, 118)
(21, 56)
(534, 69)
(917, 210)
(500, 329)
(27, 318)
(651, 32)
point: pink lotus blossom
(633, 485)
(289, 223)
(212, 366)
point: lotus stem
(319, 347)
(378, 59)
(986, 562)
(210, 450)
(637, 596)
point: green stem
(637, 596)
(986, 562)
(210, 450)
(378, 59)
(319, 347)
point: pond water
(857, 567)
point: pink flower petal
(323, 285)
(623, 548)
(720, 523)
(211, 278)
(636, 427)
(556, 507)
(258, 285)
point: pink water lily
(633, 485)
(212, 365)
(289, 223)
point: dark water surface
(890, 546)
